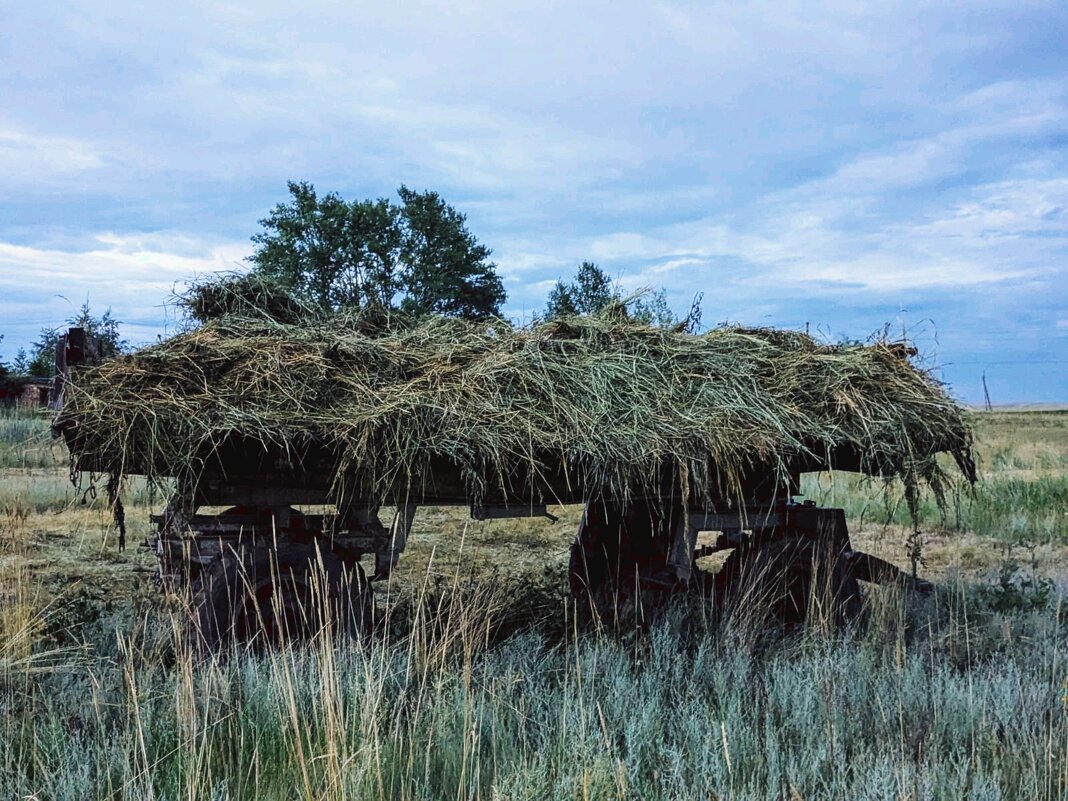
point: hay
(243, 294)
(612, 400)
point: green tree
(21, 364)
(446, 270)
(590, 292)
(335, 253)
(40, 362)
(418, 255)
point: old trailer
(234, 537)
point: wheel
(266, 597)
(620, 553)
(786, 580)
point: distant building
(25, 392)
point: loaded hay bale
(382, 398)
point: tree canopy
(417, 255)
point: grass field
(483, 685)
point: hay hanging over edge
(380, 401)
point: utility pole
(986, 394)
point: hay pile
(611, 399)
(243, 295)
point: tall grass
(946, 701)
(26, 440)
(1022, 493)
(42, 491)
(1003, 506)
(24, 614)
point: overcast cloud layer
(831, 165)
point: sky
(850, 167)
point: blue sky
(845, 165)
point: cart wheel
(787, 581)
(269, 597)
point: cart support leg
(386, 560)
(878, 571)
(683, 545)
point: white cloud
(133, 275)
(1024, 110)
(670, 265)
(999, 232)
(27, 157)
(131, 262)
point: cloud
(28, 157)
(133, 275)
(124, 262)
(789, 246)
